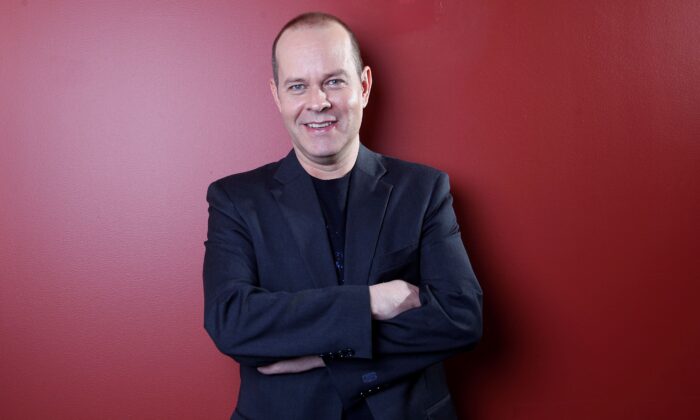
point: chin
(324, 152)
(326, 155)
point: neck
(335, 167)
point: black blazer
(271, 291)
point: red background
(570, 130)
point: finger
(269, 369)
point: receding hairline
(310, 20)
(316, 20)
(312, 26)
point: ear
(366, 81)
(273, 89)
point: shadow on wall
(374, 113)
(467, 371)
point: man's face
(320, 94)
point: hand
(296, 365)
(389, 299)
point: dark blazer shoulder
(404, 165)
(418, 175)
(247, 182)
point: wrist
(374, 306)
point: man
(336, 277)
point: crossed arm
(387, 300)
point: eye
(335, 82)
(296, 87)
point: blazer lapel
(367, 201)
(297, 199)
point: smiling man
(336, 277)
(321, 89)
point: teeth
(319, 125)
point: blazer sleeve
(256, 326)
(448, 321)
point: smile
(320, 125)
(320, 128)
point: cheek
(291, 109)
(355, 101)
(346, 102)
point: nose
(318, 100)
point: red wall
(570, 130)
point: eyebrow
(339, 72)
(294, 81)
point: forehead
(306, 50)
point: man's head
(320, 88)
(316, 19)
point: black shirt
(333, 198)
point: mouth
(320, 126)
